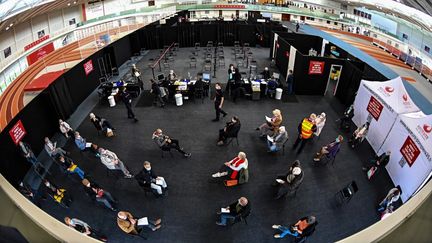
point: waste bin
(111, 101)
(278, 95)
(179, 99)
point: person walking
(218, 102)
(306, 129)
(127, 100)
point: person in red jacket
(233, 167)
(306, 129)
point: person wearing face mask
(231, 129)
(147, 178)
(95, 192)
(290, 181)
(266, 73)
(276, 142)
(218, 102)
(241, 208)
(330, 150)
(359, 135)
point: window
(7, 52)
(72, 21)
(335, 23)
(427, 49)
(405, 36)
(328, 21)
(41, 34)
(207, 12)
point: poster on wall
(40, 53)
(7, 52)
(88, 67)
(316, 68)
(17, 132)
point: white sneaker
(216, 175)
(275, 226)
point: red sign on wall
(374, 108)
(88, 67)
(230, 6)
(410, 151)
(29, 46)
(316, 67)
(17, 132)
(40, 53)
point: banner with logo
(380, 103)
(410, 143)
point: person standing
(320, 123)
(127, 100)
(297, 27)
(137, 74)
(218, 102)
(27, 153)
(290, 81)
(65, 128)
(306, 129)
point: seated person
(392, 196)
(268, 127)
(276, 142)
(58, 194)
(84, 228)
(272, 85)
(346, 118)
(240, 208)
(112, 162)
(304, 227)
(330, 150)
(266, 73)
(101, 124)
(156, 91)
(232, 167)
(379, 162)
(52, 150)
(69, 166)
(147, 178)
(95, 192)
(83, 145)
(231, 129)
(134, 226)
(65, 128)
(359, 135)
(172, 76)
(166, 143)
(290, 181)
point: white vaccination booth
(380, 103)
(410, 143)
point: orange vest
(306, 128)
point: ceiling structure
(13, 12)
(423, 5)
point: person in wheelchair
(233, 167)
(148, 179)
(290, 181)
(58, 194)
(330, 150)
(230, 130)
(303, 228)
(236, 211)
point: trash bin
(278, 95)
(111, 101)
(179, 99)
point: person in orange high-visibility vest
(306, 129)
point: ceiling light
(7, 28)
(68, 4)
(75, 2)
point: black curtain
(282, 56)
(60, 96)
(348, 83)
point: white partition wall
(380, 103)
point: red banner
(410, 151)
(17, 132)
(40, 53)
(230, 6)
(316, 67)
(88, 67)
(374, 108)
(29, 46)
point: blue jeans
(224, 218)
(289, 88)
(382, 206)
(79, 172)
(286, 231)
(106, 199)
(272, 147)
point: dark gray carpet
(189, 211)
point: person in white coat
(320, 123)
(65, 128)
(112, 162)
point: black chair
(231, 138)
(240, 218)
(283, 146)
(346, 193)
(164, 149)
(199, 93)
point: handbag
(231, 182)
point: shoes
(316, 159)
(157, 227)
(158, 221)
(224, 115)
(220, 143)
(275, 226)
(128, 176)
(216, 175)
(219, 223)
(277, 236)
(187, 155)
(215, 120)
(114, 209)
(257, 129)
(136, 120)
(364, 169)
